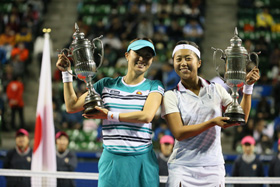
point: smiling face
(186, 63)
(139, 61)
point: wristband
(248, 89)
(66, 76)
(113, 116)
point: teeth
(140, 64)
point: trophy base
(90, 102)
(235, 118)
(90, 110)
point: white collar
(182, 88)
(128, 85)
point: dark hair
(189, 43)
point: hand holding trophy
(81, 51)
(236, 59)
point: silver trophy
(236, 59)
(81, 51)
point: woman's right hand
(63, 63)
(220, 121)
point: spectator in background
(170, 78)
(131, 22)
(110, 56)
(66, 159)
(217, 79)
(161, 130)
(263, 135)
(160, 26)
(7, 41)
(7, 75)
(14, 93)
(72, 120)
(160, 41)
(116, 26)
(19, 158)
(18, 66)
(274, 58)
(31, 16)
(97, 29)
(14, 20)
(274, 166)
(146, 11)
(242, 131)
(20, 50)
(163, 9)
(145, 28)
(238, 135)
(249, 128)
(3, 58)
(249, 46)
(8, 37)
(166, 147)
(194, 12)
(262, 45)
(264, 20)
(174, 31)
(112, 40)
(248, 165)
(181, 9)
(24, 36)
(193, 31)
(263, 109)
(276, 135)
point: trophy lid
(236, 45)
(79, 38)
(78, 34)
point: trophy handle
(68, 54)
(223, 57)
(257, 57)
(102, 49)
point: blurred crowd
(20, 22)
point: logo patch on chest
(139, 93)
(114, 92)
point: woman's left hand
(102, 114)
(253, 76)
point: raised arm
(72, 102)
(251, 78)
